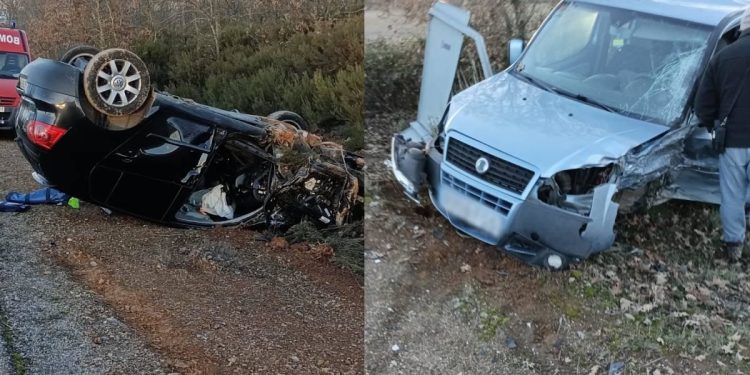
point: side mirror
(515, 48)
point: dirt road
(85, 292)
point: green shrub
(263, 68)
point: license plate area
(464, 210)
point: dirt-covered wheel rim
(116, 82)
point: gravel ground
(58, 326)
(90, 293)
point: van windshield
(11, 64)
(637, 64)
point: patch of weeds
(304, 231)
(19, 362)
(347, 242)
(491, 321)
(567, 302)
(572, 312)
(615, 343)
(728, 275)
(643, 333)
(600, 295)
(368, 198)
(487, 318)
(467, 304)
(576, 274)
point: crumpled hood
(547, 130)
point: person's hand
(709, 126)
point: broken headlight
(573, 189)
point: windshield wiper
(542, 85)
(586, 99)
(547, 87)
(597, 104)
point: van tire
(79, 55)
(290, 118)
(116, 82)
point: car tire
(290, 118)
(79, 56)
(116, 82)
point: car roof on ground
(708, 12)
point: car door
(447, 28)
(152, 174)
(698, 180)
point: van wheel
(290, 118)
(116, 82)
(79, 56)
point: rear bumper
(521, 225)
(31, 153)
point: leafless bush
(393, 70)
(52, 24)
(497, 20)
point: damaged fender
(408, 161)
(563, 231)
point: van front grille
(501, 173)
(7, 101)
(497, 204)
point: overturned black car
(92, 126)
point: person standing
(724, 94)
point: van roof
(708, 12)
(12, 40)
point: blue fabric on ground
(6, 206)
(42, 196)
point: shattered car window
(640, 65)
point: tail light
(44, 135)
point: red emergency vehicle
(14, 55)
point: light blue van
(593, 117)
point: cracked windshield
(639, 65)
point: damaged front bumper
(520, 223)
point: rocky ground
(86, 292)
(658, 303)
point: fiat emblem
(482, 165)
